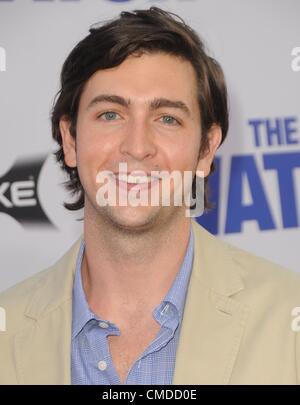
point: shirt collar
(176, 294)
(80, 308)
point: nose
(138, 142)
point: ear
(214, 140)
(68, 142)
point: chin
(134, 218)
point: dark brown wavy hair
(108, 45)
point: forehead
(145, 77)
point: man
(146, 296)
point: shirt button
(102, 365)
(103, 325)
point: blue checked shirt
(91, 359)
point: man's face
(153, 124)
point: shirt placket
(169, 323)
(101, 358)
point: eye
(168, 119)
(108, 116)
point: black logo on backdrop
(18, 192)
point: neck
(123, 271)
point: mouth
(137, 181)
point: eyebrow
(155, 104)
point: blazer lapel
(42, 350)
(213, 320)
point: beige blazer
(236, 327)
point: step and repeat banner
(256, 189)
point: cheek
(93, 148)
(87, 153)
(185, 157)
(93, 154)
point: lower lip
(137, 186)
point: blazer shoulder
(262, 275)
(15, 299)
(259, 267)
(37, 289)
(256, 273)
